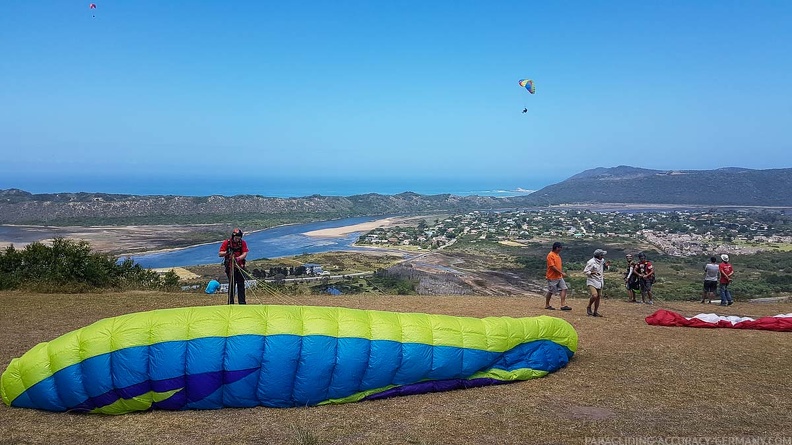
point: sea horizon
(273, 187)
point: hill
(21, 207)
(623, 184)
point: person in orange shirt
(555, 278)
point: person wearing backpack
(646, 278)
(631, 279)
(234, 251)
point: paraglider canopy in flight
(528, 84)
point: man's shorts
(593, 291)
(556, 286)
(633, 285)
(646, 285)
(710, 286)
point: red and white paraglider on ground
(780, 323)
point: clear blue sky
(403, 90)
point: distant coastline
(275, 188)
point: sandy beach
(362, 227)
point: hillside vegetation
(20, 207)
(71, 266)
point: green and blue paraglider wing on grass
(277, 356)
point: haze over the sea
(206, 185)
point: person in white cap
(726, 271)
(595, 280)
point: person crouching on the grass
(555, 278)
(595, 280)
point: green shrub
(70, 266)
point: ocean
(205, 185)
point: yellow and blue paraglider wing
(277, 356)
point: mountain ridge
(719, 187)
(731, 186)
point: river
(276, 242)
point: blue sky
(390, 90)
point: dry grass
(627, 379)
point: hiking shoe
(550, 308)
(650, 302)
(588, 311)
(566, 308)
(727, 304)
(596, 314)
(702, 301)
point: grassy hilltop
(627, 379)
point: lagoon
(282, 241)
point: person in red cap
(234, 251)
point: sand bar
(346, 230)
(365, 227)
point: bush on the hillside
(392, 282)
(71, 266)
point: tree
(170, 281)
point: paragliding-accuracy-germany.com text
(690, 440)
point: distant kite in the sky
(277, 356)
(92, 6)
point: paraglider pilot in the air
(528, 84)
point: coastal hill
(623, 184)
(721, 187)
(21, 207)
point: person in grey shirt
(710, 280)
